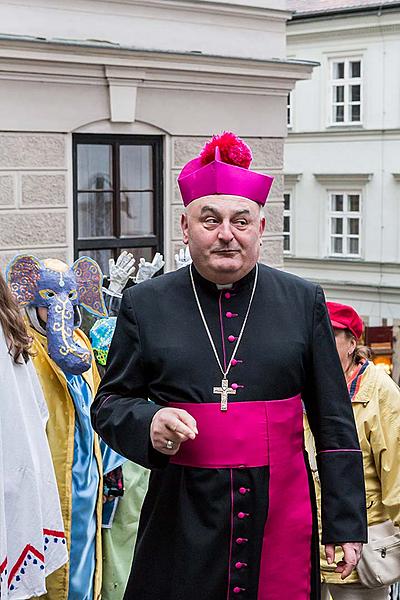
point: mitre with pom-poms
(223, 168)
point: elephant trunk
(69, 356)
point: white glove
(146, 270)
(120, 271)
(183, 258)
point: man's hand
(351, 556)
(169, 428)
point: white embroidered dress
(32, 541)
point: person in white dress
(32, 540)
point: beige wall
(253, 28)
(54, 88)
(33, 195)
(35, 210)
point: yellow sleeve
(85, 342)
(385, 445)
(96, 374)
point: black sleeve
(331, 419)
(121, 412)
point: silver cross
(223, 391)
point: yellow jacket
(60, 433)
(376, 408)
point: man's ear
(184, 227)
(262, 225)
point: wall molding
(345, 133)
(290, 179)
(343, 179)
(235, 9)
(94, 64)
(337, 32)
(349, 264)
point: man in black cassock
(208, 375)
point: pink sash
(255, 434)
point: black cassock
(233, 514)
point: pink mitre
(223, 168)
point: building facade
(102, 103)
(342, 179)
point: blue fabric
(111, 460)
(85, 484)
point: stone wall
(33, 195)
(267, 158)
(34, 203)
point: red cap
(343, 316)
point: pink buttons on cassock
(241, 540)
(240, 565)
(243, 490)
(236, 386)
(227, 295)
(243, 515)
(237, 590)
(231, 338)
(230, 315)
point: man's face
(223, 234)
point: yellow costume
(376, 406)
(60, 432)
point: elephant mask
(61, 290)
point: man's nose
(225, 233)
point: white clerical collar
(224, 286)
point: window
(289, 109)
(346, 91)
(345, 224)
(287, 215)
(117, 196)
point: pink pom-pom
(233, 150)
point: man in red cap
(227, 349)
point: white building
(102, 102)
(342, 156)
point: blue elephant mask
(60, 289)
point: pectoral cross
(223, 391)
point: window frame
(116, 242)
(288, 213)
(289, 110)
(347, 81)
(345, 215)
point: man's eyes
(215, 221)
